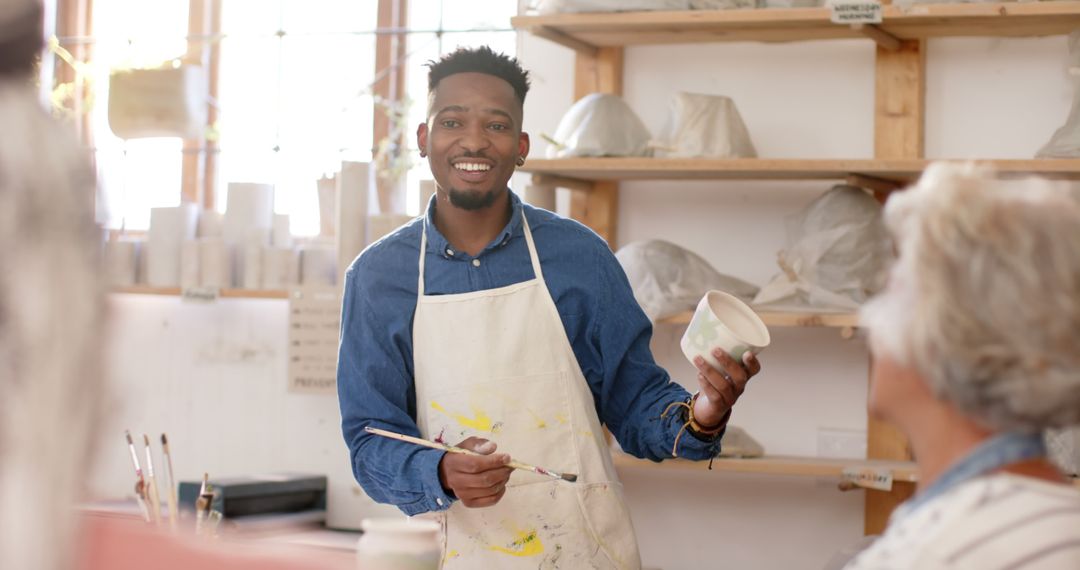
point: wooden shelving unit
(895, 171)
(787, 319)
(771, 318)
(902, 471)
(899, 129)
(223, 293)
(586, 33)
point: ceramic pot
(399, 544)
(723, 321)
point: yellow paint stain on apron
(562, 419)
(480, 421)
(540, 423)
(527, 543)
(452, 554)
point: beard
(472, 200)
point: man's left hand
(721, 388)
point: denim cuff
(435, 497)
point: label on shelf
(855, 11)
(200, 294)
(314, 323)
(869, 477)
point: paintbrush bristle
(146, 439)
(164, 440)
(127, 434)
(569, 477)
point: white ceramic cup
(399, 544)
(723, 321)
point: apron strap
(533, 256)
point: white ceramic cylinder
(318, 265)
(248, 206)
(327, 189)
(122, 262)
(211, 223)
(399, 544)
(249, 211)
(214, 263)
(169, 228)
(189, 265)
(355, 184)
(723, 321)
(281, 235)
(252, 269)
(281, 268)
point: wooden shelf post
(899, 127)
(598, 207)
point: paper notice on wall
(855, 11)
(314, 320)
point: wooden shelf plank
(588, 31)
(787, 319)
(897, 170)
(224, 293)
(773, 465)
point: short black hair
(480, 60)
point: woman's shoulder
(997, 521)
(1010, 521)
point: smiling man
(487, 322)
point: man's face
(473, 137)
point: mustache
(466, 154)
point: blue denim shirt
(607, 330)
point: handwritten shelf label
(855, 12)
(869, 478)
(200, 294)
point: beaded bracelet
(691, 423)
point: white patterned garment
(997, 522)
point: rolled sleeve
(435, 497)
(375, 388)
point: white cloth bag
(838, 253)
(599, 124)
(705, 126)
(668, 279)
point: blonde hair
(51, 305)
(984, 300)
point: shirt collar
(437, 242)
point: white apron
(497, 364)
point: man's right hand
(477, 481)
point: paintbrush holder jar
(399, 544)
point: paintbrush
(152, 497)
(171, 482)
(140, 483)
(202, 504)
(452, 449)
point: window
(438, 27)
(293, 95)
(137, 174)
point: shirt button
(476, 263)
(450, 252)
(439, 502)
